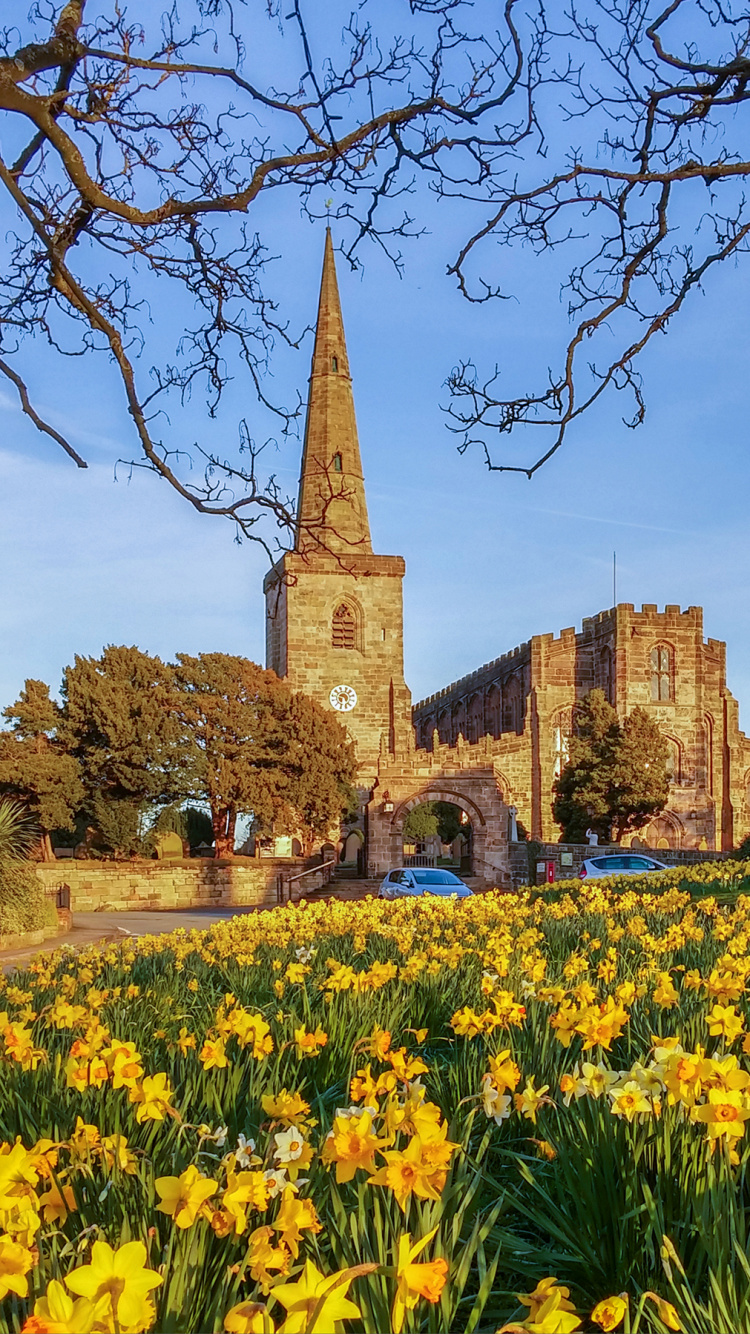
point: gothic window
(344, 627)
(661, 673)
(337, 463)
(708, 732)
(560, 737)
(334, 363)
(605, 673)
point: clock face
(343, 698)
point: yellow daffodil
(248, 1318)
(610, 1313)
(426, 1279)
(315, 1304)
(183, 1197)
(122, 1276)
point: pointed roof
(332, 508)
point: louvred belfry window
(344, 629)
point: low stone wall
(567, 858)
(24, 938)
(140, 886)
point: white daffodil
(496, 1105)
(244, 1151)
(289, 1145)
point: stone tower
(334, 615)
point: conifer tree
(320, 770)
(119, 722)
(640, 784)
(615, 779)
(260, 750)
(233, 713)
(35, 765)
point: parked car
(411, 881)
(619, 863)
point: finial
(329, 206)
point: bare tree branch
(38, 421)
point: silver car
(411, 881)
(618, 863)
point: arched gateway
(474, 790)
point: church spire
(332, 509)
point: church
(497, 738)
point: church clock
(343, 698)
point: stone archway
(454, 798)
(474, 791)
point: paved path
(90, 927)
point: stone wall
(140, 886)
(579, 852)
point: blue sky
(491, 559)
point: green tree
(36, 766)
(449, 821)
(421, 822)
(640, 784)
(615, 779)
(119, 721)
(320, 771)
(234, 714)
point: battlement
(479, 677)
(610, 621)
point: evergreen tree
(615, 779)
(421, 822)
(119, 721)
(235, 715)
(640, 784)
(320, 772)
(36, 766)
(260, 750)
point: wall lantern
(387, 803)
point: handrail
(324, 866)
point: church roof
(332, 507)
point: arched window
(334, 363)
(344, 627)
(561, 729)
(337, 463)
(661, 673)
(708, 732)
(605, 673)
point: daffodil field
(519, 1112)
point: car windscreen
(430, 876)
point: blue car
(411, 881)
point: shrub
(23, 903)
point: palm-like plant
(18, 830)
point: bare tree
(648, 208)
(139, 142)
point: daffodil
(183, 1197)
(315, 1304)
(610, 1313)
(415, 1280)
(122, 1276)
(15, 1263)
(248, 1318)
(57, 1313)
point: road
(89, 927)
